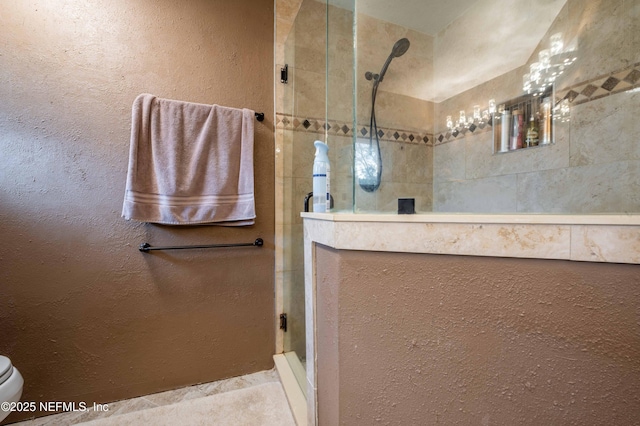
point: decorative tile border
(596, 88)
(342, 128)
(443, 138)
(616, 82)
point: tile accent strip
(615, 82)
(596, 88)
(590, 90)
(343, 128)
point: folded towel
(190, 164)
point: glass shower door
(300, 111)
(315, 103)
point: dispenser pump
(321, 178)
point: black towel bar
(146, 247)
(260, 116)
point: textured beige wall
(435, 339)
(83, 314)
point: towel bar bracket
(146, 247)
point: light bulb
(492, 106)
(545, 59)
(556, 44)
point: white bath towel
(190, 164)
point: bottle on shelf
(505, 130)
(545, 122)
(532, 132)
(517, 133)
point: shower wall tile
(297, 257)
(310, 59)
(284, 145)
(310, 36)
(340, 65)
(409, 75)
(606, 130)
(633, 32)
(505, 87)
(303, 153)
(342, 192)
(279, 245)
(421, 192)
(488, 195)
(280, 199)
(364, 201)
(385, 199)
(286, 11)
(310, 93)
(287, 194)
(406, 174)
(293, 247)
(341, 155)
(482, 162)
(295, 190)
(394, 109)
(340, 98)
(340, 22)
(601, 25)
(294, 337)
(602, 35)
(416, 165)
(287, 246)
(598, 188)
(408, 79)
(375, 38)
(340, 40)
(449, 161)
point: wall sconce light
(478, 118)
(551, 63)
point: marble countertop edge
(497, 218)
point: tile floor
(246, 400)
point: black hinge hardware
(283, 322)
(284, 74)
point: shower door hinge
(283, 322)
(284, 74)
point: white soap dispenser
(321, 178)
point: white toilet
(11, 383)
